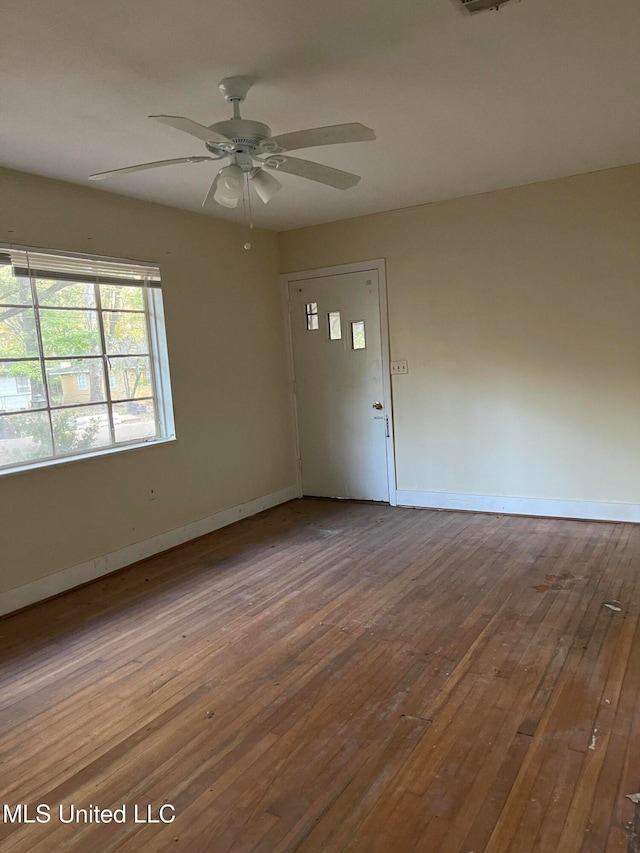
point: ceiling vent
(473, 6)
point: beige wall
(517, 311)
(519, 314)
(229, 377)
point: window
(311, 309)
(358, 340)
(83, 358)
(335, 330)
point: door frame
(378, 266)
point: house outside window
(83, 357)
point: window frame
(120, 272)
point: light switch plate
(399, 367)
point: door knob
(377, 406)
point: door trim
(377, 265)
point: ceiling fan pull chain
(250, 216)
(246, 201)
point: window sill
(66, 460)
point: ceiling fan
(251, 149)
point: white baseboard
(587, 510)
(22, 596)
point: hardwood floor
(337, 677)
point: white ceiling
(460, 104)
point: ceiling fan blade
(142, 166)
(193, 128)
(265, 185)
(313, 171)
(331, 135)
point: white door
(342, 417)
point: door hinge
(300, 463)
(386, 421)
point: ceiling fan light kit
(265, 185)
(250, 149)
(228, 186)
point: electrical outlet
(152, 494)
(399, 367)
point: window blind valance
(66, 267)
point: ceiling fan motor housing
(244, 133)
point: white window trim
(80, 455)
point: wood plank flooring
(332, 676)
